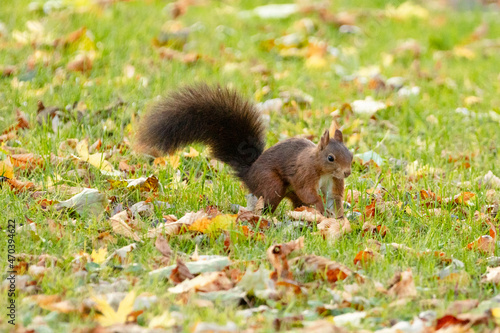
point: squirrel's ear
(338, 136)
(323, 142)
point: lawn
(414, 86)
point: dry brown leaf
(121, 254)
(123, 166)
(462, 306)
(374, 229)
(485, 244)
(7, 136)
(277, 255)
(21, 122)
(255, 220)
(334, 271)
(162, 245)
(333, 228)
(461, 322)
(353, 196)
(205, 282)
(20, 186)
(81, 63)
(27, 161)
(180, 272)
(174, 227)
(402, 285)
(53, 303)
(308, 214)
(370, 209)
(492, 275)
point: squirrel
(231, 126)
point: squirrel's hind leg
(272, 189)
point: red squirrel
(221, 118)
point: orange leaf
(370, 209)
(20, 186)
(484, 244)
(364, 256)
(463, 198)
(26, 161)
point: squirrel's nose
(347, 173)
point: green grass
(121, 34)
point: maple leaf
(99, 256)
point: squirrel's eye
(331, 158)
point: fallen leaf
(173, 160)
(81, 63)
(485, 244)
(122, 224)
(463, 198)
(204, 265)
(332, 270)
(369, 228)
(99, 256)
(367, 107)
(277, 255)
(308, 214)
(332, 228)
(109, 316)
(492, 275)
(462, 306)
(27, 161)
(88, 201)
(365, 257)
(161, 245)
(20, 186)
(180, 273)
(6, 169)
(204, 282)
(192, 153)
(121, 254)
(175, 227)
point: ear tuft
(338, 136)
(323, 142)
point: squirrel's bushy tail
(218, 117)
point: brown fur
(231, 126)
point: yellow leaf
(220, 222)
(316, 62)
(174, 160)
(463, 52)
(82, 149)
(163, 321)
(111, 317)
(6, 169)
(116, 183)
(99, 256)
(406, 10)
(99, 162)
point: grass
(229, 46)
